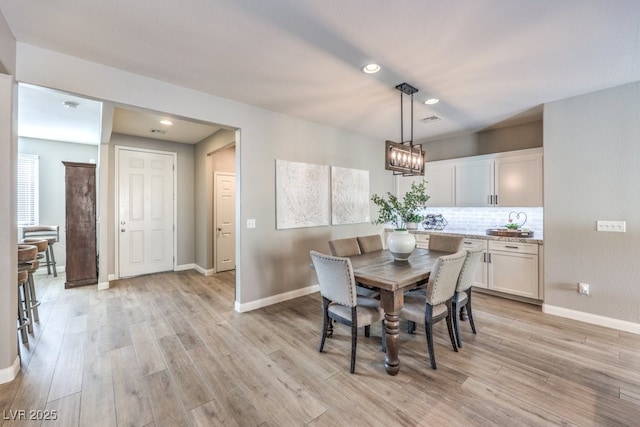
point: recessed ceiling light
(70, 104)
(166, 122)
(432, 101)
(371, 68)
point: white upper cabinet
(441, 184)
(519, 180)
(504, 179)
(474, 183)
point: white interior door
(145, 212)
(225, 220)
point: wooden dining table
(392, 278)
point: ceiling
(488, 61)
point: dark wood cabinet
(80, 213)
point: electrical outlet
(251, 223)
(614, 226)
(583, 288)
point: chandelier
(405, 158)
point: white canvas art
(302, 195)
(349, 196)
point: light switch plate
(251, 223)
(613, 226)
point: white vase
(401, 244)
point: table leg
(391, 302)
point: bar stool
(26, 255)
(51, 233)
(42, 246)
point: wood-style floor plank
(169, 350)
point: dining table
(379, 270)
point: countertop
(481, 234)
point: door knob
(123, 230)
(219, 229)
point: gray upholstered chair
(340, 301)
(344, 247)
(444, 243)
(371, 243)
(462, 298)
(436, 304)
(350, 247)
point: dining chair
(340, 301)
(370, 243)
(462, 298)
(350, 247)
(444, 243)
(435, 305)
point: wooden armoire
(80, 213)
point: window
(28, 207)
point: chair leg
(326, 322)
(367, 331)
(33, 302)
(53, 261)
(452, 336)
(428, 330)
(456, 325)
(384, 336)
(411, 327)
(23, 320)
(354, 338)
(48, 258)
(470, 312)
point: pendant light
(405, 158)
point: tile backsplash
(479, 219)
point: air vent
(160, 131)
(431, 119)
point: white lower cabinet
(513, 268)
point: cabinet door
(514, 273)
(422, 240)
(441, 180)
(519, 180)
(474, 183)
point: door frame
(116, 229)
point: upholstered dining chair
(350, 247)
(444, 243)
(370, 243)
(340, 301)
(462, 298)
(436, 304)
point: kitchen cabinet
(512, 179)
(481, 276)
(440, 184)
(513, 268)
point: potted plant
(400, 212)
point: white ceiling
(487, 60)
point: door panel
(225, 227)
(145, 212)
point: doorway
(145, 212)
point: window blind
(28, 206)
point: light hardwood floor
(168, 350)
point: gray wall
(51, 183)
(184, 193)
(592, 172)
(517, 137)
(8, 232)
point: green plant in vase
(392, 210)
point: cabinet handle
(485, 257)
(496, 198)
(511, 247)
(490, 199)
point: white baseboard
(103, 285)
(10, 373)
(595, 319)
(111, 277)
(184, 267)
(203, 271)
(253, 305)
